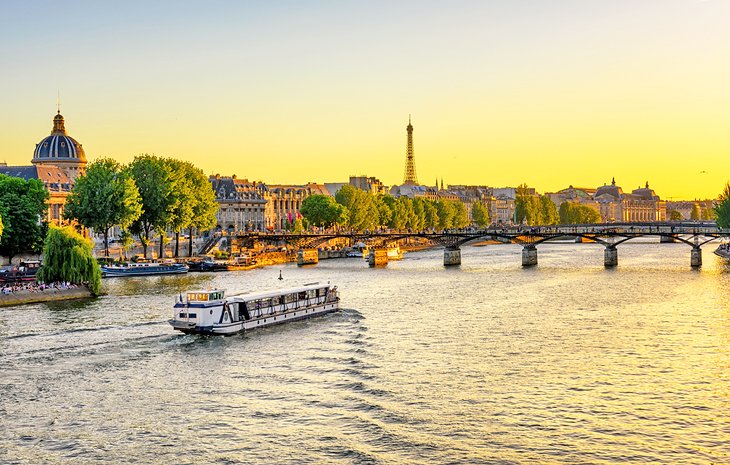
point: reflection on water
(484, 363)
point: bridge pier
(307, 257)
(378, 257)
(529, 255)
(610, 257)
(452, 256)
(696, 257)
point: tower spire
(58, 102)
(410, 176)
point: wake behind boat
(142, 269)
(210, 312)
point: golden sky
(501, 93)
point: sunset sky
(550, 93)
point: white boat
(211, 312)
(723, 250)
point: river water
(566, 362)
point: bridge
(694, 234)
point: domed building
(57, 161)
(61, 150)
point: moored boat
(142, 269)
(211, 312)
(723, 250)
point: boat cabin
(204, 297)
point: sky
(571, 92)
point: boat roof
(278, 292)
(263, 294)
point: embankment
(48, 295)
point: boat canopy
(279, 292)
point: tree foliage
(104, 197)
(153, 179)
(575, 213)
(22, 208)
(674, 215)
(68, 257)
(722, 209)
(480, 214)
(324, 211)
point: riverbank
(47, 295)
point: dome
(613, 190)
(59, 146)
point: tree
(674, 215)
(461, 216)
(548, 210)
(104, 197)
(68, 257)
(696, 213)
(22, 207)
(708, 214)
(1, 226)
(574, 213)
(152, 177)
(480, 214)
(322, 210)
(205, 206)
(446, 213)
(527, 206)
(722, 209)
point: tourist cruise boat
(211, 312)
(142, 269)
(723, 250)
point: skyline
(500, 94)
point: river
(566, 362)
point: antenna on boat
(280, 276)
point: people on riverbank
(11, 288)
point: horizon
(500, 94)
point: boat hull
(126, 272)
(227, 329)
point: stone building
(242, 204)
(641, 205)
(57, 161)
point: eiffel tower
(410, 177)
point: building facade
(242, 204)
(58, 160)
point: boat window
(289, 298)
(322, 291)
(302, 295)
(312, 293)
(276, 300)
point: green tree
(104, 197)
(708, 214)
(696, 212)
(431, 216)
(205, 206)
(385, 213)
(153, 179)
(674, 215)
(574, 213)
(480, 214)
(324, 211)
(446, 213)
(548, 211)
(722, 209)
(527, 206)
(22, 207)
(68, 257)
(461, 216)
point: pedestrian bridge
(695, 234)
